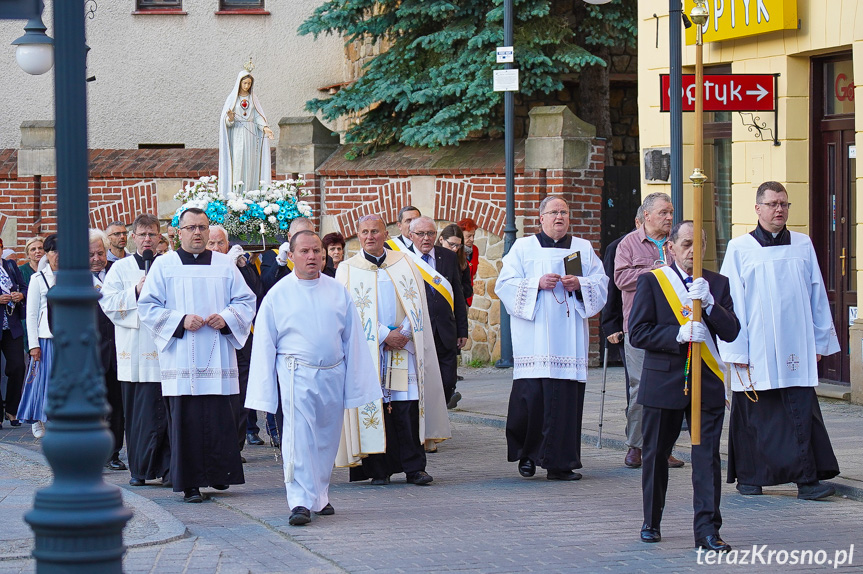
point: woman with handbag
(32, 408)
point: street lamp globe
(34, 50)
(597, 2)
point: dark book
(572, 264)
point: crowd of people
(354, 358)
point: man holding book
(551, 284)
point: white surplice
(202, 362)
(550, 332)
(137, 357)
(309, 343)
(780, 299)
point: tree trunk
(593, 93)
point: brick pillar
(37, 155)
(304, 144)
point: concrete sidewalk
(485, 395)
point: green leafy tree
(433, 85)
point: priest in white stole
(386, 437)
(147, 445)
(550, 336)
(787, 327)
(199, 310)
(309, 344)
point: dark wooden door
(833, 233)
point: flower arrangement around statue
(254, 215)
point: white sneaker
(38, 429)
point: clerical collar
(140, 260)
(376, 260)
(546, 241)
(766, 239)
(186, 258)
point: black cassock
(543, 421)
(147, 444)
(782, 437)
(202, 429)
(779, 439)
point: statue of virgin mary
(244, 138)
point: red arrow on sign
(725, 93)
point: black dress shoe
(327, 510)
(814, 491)
(526, 467)
(419, 477)
(712, 542)
(116, 464)
(381, 481)
(15, 423)
(650, 534)
(242, 459)
(136, 482)
(300, 515)
(565, 474)
(275, 442)
(749, 489)
(219, 486)
(253, 439)
(453, 401)
(192, 495)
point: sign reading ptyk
(725, 93)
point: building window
(144, 5)
(241, 4)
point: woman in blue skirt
(32, 408)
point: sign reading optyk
(725, 93)
(739, 18)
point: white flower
(268, 210)
(304, 208)
(275, 207)
(272, 219)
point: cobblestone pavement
(478, 515)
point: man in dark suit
(660, 324)
(275, 265)
(116, 419)
(407, 214)
(449, 320)
(13, 295)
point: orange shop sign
(731, 19)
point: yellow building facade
(816, 48)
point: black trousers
(203, 442)
(405, 453)
(448, 361)
(147, 446)
(116, 418)
(238, 402)
(543, 422)
(660, 429)
(13, 352)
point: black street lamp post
(78, 520)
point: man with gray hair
(640, 252)
(147, 448)
(386, 437)
(220, 243)
(550, 299)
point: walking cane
(602, 397)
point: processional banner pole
(699, 16)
